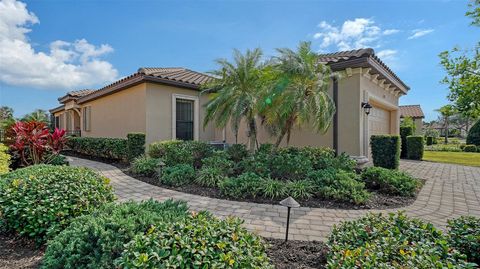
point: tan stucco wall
(159, 112)
(118, 114)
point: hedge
(110, 148)
(135, 145)
(385, 150)
(470, 148)
(4, 159)
(404, 132)
(415, 147)
(473, 136)
(429, 140)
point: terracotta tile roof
(80, 93)
(177, 74)
(414, 111)
(336, 58)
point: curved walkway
(450, 191)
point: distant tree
(446, 112)
(408, 122)
(38, 115)
(6, 112)
(299, 94)
(235, 94)
(463, 71)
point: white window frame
(196, 116)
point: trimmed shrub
(237, 152)
(289, 164)
(405, 131)
(385, 150)
(219, 160)
(110, 148)
(175, 152)
(415, 147)
(135, 145)
(177, 175)
(390, 182)
(245, 185)
(198, 241)
(341, 186)
(97, 240)
(145, 166)
(393, 241)
(464, 235)
(430, 141)
(210, 176)
(42, 199)
(473, 137)
(4, 159)
(470, 148)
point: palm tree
(300, 93)
(446, 111)
(235, 94)
(39, 115)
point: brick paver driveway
(450, 191)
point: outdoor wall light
(289, 203)
(366, 107)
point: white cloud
(390, 31)
(387, 54)
(352, 34)
(67, 65)
(419, 33)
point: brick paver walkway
(450, 191)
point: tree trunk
(446, 130)
(252, 132)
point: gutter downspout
(335, 117)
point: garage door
(379, 121)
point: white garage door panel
(379, 121)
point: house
(166, 103)
(416, 114)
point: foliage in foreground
(41, 200)
(390, 181)
(199, 240)
(464, 235)
(393, 241)
(96, 240)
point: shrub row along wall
(110, 148)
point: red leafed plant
(34, 144)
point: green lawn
(463, 158)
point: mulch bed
(377, 201)
(16, 252)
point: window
(87, 114)
(57, 122)
(184, 122)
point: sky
(48, 48)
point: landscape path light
(289, 202)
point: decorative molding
(349, 72)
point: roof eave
(57, 109)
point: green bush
(145, 166)
(415, 147)
(259, 164)
(289, 164)
(323, 158)
(219, 160)
(135, 145)
(473, 137)
(390, 182)
(110, 148)
(394, 241)
(4, 159)
(273, 189)
(405, 131)
(177, 175)
(237, 152)
(175, 152)
(58, 159)
(245, 185)
(43, 199)
(97, 240)
(210, 176)
(385, 150)
(339, 185)
(300, 189)
(470, 148)
(429, 140)
(464, 235)
(199, 241)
